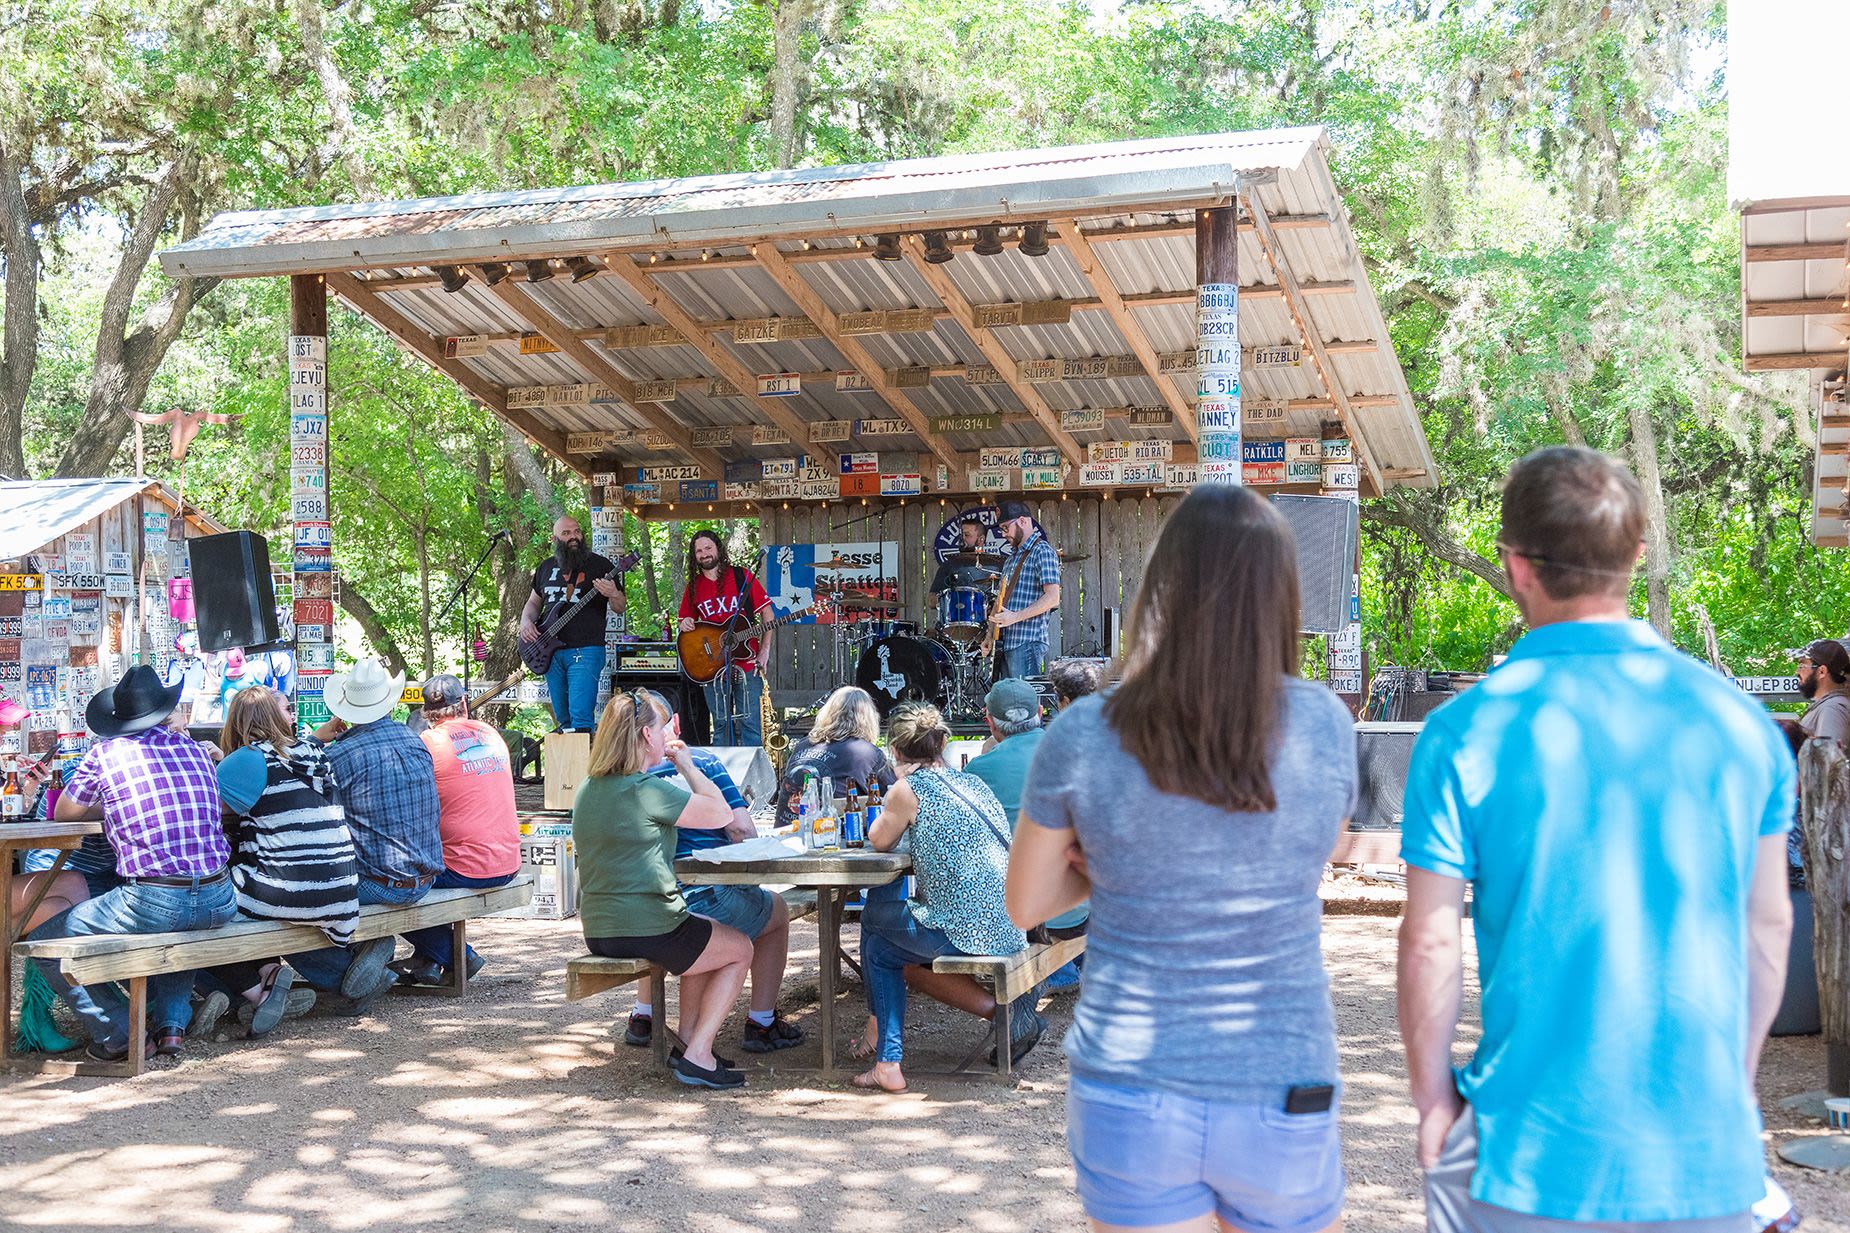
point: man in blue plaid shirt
(1036, 592)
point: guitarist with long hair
(716, 591)
(564, 578)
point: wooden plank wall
(1114, 535)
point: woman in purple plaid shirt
(156, 792)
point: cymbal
(1067, 558)
(867, 603)
(973, 558)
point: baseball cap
(1012, 700)
(11, 712)
(1829, 653)
(1008, 511)
(442, 690)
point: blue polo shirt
(1604, 795)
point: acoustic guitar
(991, 630)
(706, 649)
(537, 655)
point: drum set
(895, 661)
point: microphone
(502, 535)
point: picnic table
(833, 875)
(19, 837)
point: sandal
(868, 1081)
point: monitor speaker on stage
(1326, 529)
(688, 699)
(232, 593)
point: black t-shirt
(552, 585)
(839, 760)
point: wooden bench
(589, 975)
(133, 957)
(1010, 977)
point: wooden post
(1343, 651)
(311, 537)
(1217, 357)
(1824, 819)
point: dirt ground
(511, 1109)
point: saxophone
(776, 743)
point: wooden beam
(727, 365)
(1313, 340)
(1796, 360)
(430, 350)
(1100, 281)
(1833, 307)
(561, 336)
(939, 280)
(1826, 250)
(785, 275)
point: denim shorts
(1146, 1157)
(745, 908)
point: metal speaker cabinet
(1326, 530)
(232, 593)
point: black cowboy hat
(135, 703)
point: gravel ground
(511, 1109)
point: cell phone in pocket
(1310, 1098)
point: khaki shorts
(1451, 1209)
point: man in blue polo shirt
(1620, 813)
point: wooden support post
(1217, 358)
(310, 502)
(1824, 818)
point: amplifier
(687, 698)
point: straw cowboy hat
(364, 694)
(135, 703)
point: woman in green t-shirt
(623, 825)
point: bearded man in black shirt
(571, 573)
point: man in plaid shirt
(156, 792)
(1036, 592)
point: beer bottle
(12, 800)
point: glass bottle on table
(12, 800)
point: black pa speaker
(232, 593)
(1383, 752)
(1325, 529)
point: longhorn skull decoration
(183, 425)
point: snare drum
(963, 612)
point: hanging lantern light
(886, 248)
(988, 241)
(937, 248)
(494, 272)
(452, 278)
(1033, 240)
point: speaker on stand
(232, 593)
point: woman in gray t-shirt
(1195, 805)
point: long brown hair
(256, 714)
(1212, 635)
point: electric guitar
(706, 649)
(991, 630)
(537, 654)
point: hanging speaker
(231, 590)
(1325, 529)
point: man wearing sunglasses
(1824, 667)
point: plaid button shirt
(159, 793)
(389, 786)
(1040, 571)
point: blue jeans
(571, 683)
(1028, 659)
(94, 859)
(434, 943)
(746, 687)
(323, 968)
(892, 940)
(135, 908)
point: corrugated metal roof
(33, 513)
(1107, 188)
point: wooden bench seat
(133, 957)
(1010, 977)
(589, 975)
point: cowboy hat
(135, 703)
(364, 694)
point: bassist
(573, 676)
(715, 588)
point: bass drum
(900, 669)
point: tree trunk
(19, 318)
(344, 138)
(786, 77)
(1438, 543)
(646, 546)
(1657, 527)
(1824, 821)
(422, 539)
(533, 477)
(373, 626)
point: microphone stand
(461, 594)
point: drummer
(952, 574)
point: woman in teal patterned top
(959, 841)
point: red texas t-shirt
(716, 603)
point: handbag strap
(998, 832)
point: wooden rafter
(723, 361)
(1835, 306)
(1100, 281)
(1817, 250)
(1313, 338)
(430, 350)
(939, 280)
(561, 336)
(1795, 360)
(785, 275)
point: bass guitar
(706, 649)
(537, 654)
